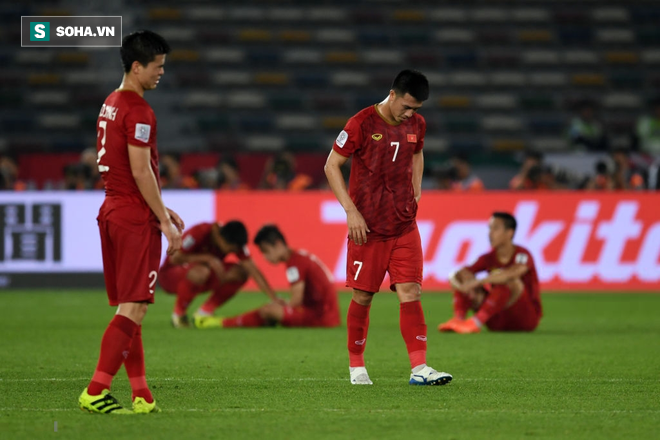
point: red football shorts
(522, 316)
(401, 257)
(130, 262)
(306, 317)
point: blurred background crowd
(540, 95)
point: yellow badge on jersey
(376, 136)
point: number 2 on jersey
(395, 144)
(102, 168)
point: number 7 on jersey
(359, 265)
(396, 151)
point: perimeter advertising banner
(580, 241)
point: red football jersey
(489, 262)
(380, 184)
(125, 118)
(199, 240)
(320, 293)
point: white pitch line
(320, 379)
(372, 410)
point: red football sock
(249, 319)
(134, 364)
(358, 326)
(413, 330)
(494, 303)
(221, 294)
(461, 305)
(115, 347)
(186, 291)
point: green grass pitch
(592, 370)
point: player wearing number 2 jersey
(130, 220)
(386, 142)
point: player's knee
(409, 292)
(361, 297)
(198, 274)
(237, 275)
(516, 287)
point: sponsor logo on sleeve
(341, 139)
(188, 242)
(521, 258)
(292, 274)
(142, 132)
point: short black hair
(508, 220)
(269, 234)
(142, 46)
(413, 82)
(234, 232)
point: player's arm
(357, 227)
(505, 275)
(259, 278)
(140, 161)
(297, 293)
(418, 171)
(184, 258)
(460, 277)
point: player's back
(320, 292)
(125, 118)
(380, 183)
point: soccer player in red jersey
(386, 142)
(313, 300)
(200, 265)
(513, 302)
(130, 220)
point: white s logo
(39, 31)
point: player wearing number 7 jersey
(386, 142)
(130, 220)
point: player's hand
(174, 217)
(280, 301)
(217, 267)
(469, 286)
(173, 235)
(357, 227)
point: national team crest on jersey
(142, 132)
(412, 138)
(376, 136)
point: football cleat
(467, 326)
(449, 325)
(359, 376)
(141, 406)
(180, 321)
(428, 376)
(206, 321)
(104, 403)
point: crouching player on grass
(313, 300)
(513, 302)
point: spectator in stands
(648, 130)
(170, 174)
(9, 175)
(585, 131)
(445, 178)
(627, 175)
(522, 179)
(464, 180)
(604, 178)
(88, 159)
(229, 175)
(280, 174)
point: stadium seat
(34, 56)
(626, 80)
(548, 144)
(192, 78)
(255, 35)
(341, 57)
(408, 15)
(202, 100)
(579, 57)
(610, 15)
(44, 79)
(540, 57)
(463, 59)
(575, 36)
(469, 146)
(548, 79)
(246, 99)
(423, 58)
(627, 101)
(263, 57)
(530, 15)
(335, 36)
(646, 14)
(649, 36)
(435, 144)
(224, 55)
(58, 121)
(500, 59)
(178, 34)
(285, 14)
(165, 14)
(312, 79)
(334, 122)
(454, 35)
(17, 123)
(296, 122)
(622, 57)
(305, 143)
(374, 56)
(14, 98)
(302, 56)
(271, 78)
(231, 77)
(508, 145)
(263, 143)
(489, 15)
(414, 37)
(454, 102)
(184, 56)
(247, 14)
(449, 15)
(326, 13)
(462, 124)
(651, 56)
(615, 36)
(502, 101)
(467, 79)
(295, 36)
(212, 124)
(571, 16)
(497, 123)
(508, 79)
(215, 36)
(535, 36)
(547, 125)
(588, 79)
(206, 13)
(494, 37)
(372, 16)
(256, 122)
(349, 79)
